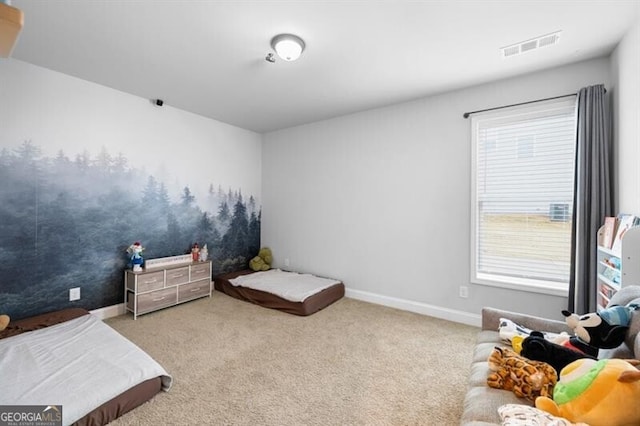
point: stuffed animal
(4, 321)
(262, 262)
(204, 254)
(527, 379)
(514, 333)
(536, 347)
(600, 330)
(135, 252)
(600, 393)
(265, 254)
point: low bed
(71, 358)
(298, 294)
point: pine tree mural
(65, 223)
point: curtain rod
(467, 114)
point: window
(522, 196)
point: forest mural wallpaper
(66, 220)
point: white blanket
(79, 364)
(291, 286)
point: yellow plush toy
(600, 393)
(4, 321)
(262, 262)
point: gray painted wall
(380, 199)
(625, 93)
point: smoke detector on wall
(532, 44)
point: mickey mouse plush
(536, 347)
(600, 330)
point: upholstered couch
(481, 402)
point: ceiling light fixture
(288, 46)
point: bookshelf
(617, 268)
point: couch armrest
(491, 321)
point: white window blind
(522, 195)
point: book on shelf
(612, 275)
(613, 262)
(607, 291)
(625, 222)
(609, 231)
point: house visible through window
(525, 146)
(522, 195)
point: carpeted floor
(353, 363)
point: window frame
(508, 113)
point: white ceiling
(207, 57)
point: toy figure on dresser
(135, 252)
(195, 252)
(204, 254)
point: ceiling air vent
(511, 50)
(529, 45)
(548, 40)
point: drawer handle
(177, 275)
(151, 281)
(195, 289)
(159, 299)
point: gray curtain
(593, 198)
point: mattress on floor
(308, 306)
(107, 411)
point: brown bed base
(111, 409)
(121, 404)
(309, 306)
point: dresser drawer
(200, 271)
(150, 281)
(194, 290)
(156, 300)
(177, 276)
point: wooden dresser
(160, 287)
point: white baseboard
(109, 311)
(392, 302)
(416, 307)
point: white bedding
(79, 364)
(291, 286)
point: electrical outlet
(464, 291)
(286, 262)
(74, 294)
